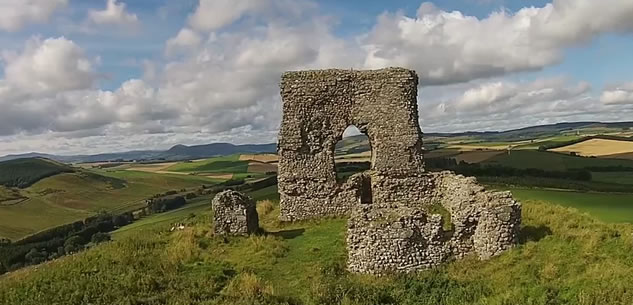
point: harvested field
(152, 168)
(261, 167)
(267, 158)
(598, 148)
(216, 176)
(441, 153)
(477, 156)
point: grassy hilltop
(564, 257)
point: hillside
(24, 172)
(564, 257)
(73, 196)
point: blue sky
(101, 75)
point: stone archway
(317, 107)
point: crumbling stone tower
(402, 219)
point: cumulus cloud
(618, 95)
(15, 14)
(449, 47)
(49, 66)
(115, 13)
(186, 39)
(212, 15)
(492, 104)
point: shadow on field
(532, 233)
(288, 234)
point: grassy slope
(564, 258)
(227, 164)
(25, 172)
(69, 197)
(551, 161)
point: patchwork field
(267, 158)
(598, 148)
(552, 161)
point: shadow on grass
(532, 233)
(288, 234)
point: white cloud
(49, 66)
(114, 13)
(450, 47)
(186, 39)
(503, 104)
(15, 14)
(212, 15)
(619, 95)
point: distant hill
(178, 152)
(352, 144)
(215, 149)
(24, 172)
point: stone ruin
(234, 213)
(402, 218)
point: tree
(100, 238)
(72, 244)
(35, 257)
(121, 220)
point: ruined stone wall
(459, 218)
(317, 108)
(234, 213)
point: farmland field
(552, 161)
(598, 147)
(603, 206)
(228, 164)
(614, 177)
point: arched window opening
(352, 153)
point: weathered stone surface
(400, 214)
(405, 237)
(234, 214)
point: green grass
(551, 161)
(604, 206)
(226, 164)
(24, 172)
(564, 258)
(614, 177)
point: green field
(160, 220)
(604, 206)
(551, 161)
(614, 177)
(227, 164)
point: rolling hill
(25, 172)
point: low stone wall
(457, 218)
(234, 213)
